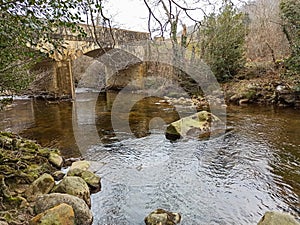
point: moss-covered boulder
(62, 214)
(75, 186)
(278, 218)
(23, 168)
(42, 185)
(23, 160)
(82, 165)
(201, 125)
(162, 217)
(81, 169)
(83, 215)
(55, 159)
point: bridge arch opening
(96, 53)
(108, 69)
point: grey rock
(41, 185)
(55, 159)
(82, 165)
(162, 217)
(83, 215)
(92, 179)
(277, 218)
(75, 186)
(201, 125)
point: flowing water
(232, 179)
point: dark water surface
(232, 179)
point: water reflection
(49, 123)
(142, 116)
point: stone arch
(108, 68)
(96, 53)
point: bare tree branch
(108, 21)
(151, 14)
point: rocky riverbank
(265, 86)
(34, 190)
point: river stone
(41, 185)
(62, 214)
(3, 223)
(58, 175)
(83, 215)
(277, 218)
(162, 217)
(92, 179)
(198, 125)
(82, 165)
(76, 186)
(55, 159)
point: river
(231, 179)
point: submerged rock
(83, 215)
(75, 186)
(277, 218)
(202, 125)
(162, 217)
(62, 214)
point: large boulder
(277, 218)
(62, 214)
(201, 125)
(76, 186)
(162, 217)
(41, 185)
(83, 215)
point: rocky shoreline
(268, 88)
(34, 190)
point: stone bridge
(96, 41)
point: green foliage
(14, 54)
(290, 14)
(25, 25)
(222, 42)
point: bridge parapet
(92, 38)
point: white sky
(133, 14)
(128, 14)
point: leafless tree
(265, 39)
(166, 15)
(98, 23)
